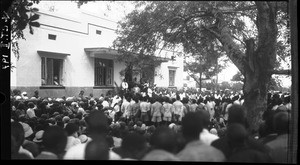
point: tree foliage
(81, 2)
(274, 84)
(253, 34)
(22, 14)
(205, 64)
(193, 26)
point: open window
(52, 71)
(52, 66)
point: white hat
(74, 104)
(18, 97)
(172, 125)
(69, 99)
(27, 129)
(213, 131)
(59, 100)
(33, 99)
(143, 127)
(83, 138)
(81, 110)
(38, 136)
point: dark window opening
(98, 32)
(103, 72)
(171, 77)
(51, 36)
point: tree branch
(266, 25)
(281, 72)
(193, 76)
(212, 31)
(239, 40)
(252, 7)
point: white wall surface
(73, 34)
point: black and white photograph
(174, 81)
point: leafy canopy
(192, 26)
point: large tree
(186, 24)
(205, 64)
(275, 83)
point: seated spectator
(15, 151)
(72, 131)
(214, 131)
(83, 138)
(54, 142)
(205, 136)
(116, 134)
(38, 139)
(279, 146)
(133, 147)
(30, 111)
(266, 130)
(66, 119)
(18, 136)
(237, 114)
(28, 132)
(195, 150)
(97, 149)
(32, 147)
(241, 152)
(97, 126)
(163, 145)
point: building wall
(162, 78)
(72, 36)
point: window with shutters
(172, 77)
(103, 72)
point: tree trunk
(128, 76)
(200, 81)
(255, 93)
(260, 61)
(255, 65)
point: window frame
(106, 80)
(44, 72)
(174, 75)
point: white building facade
(68, 54)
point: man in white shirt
(178, 109)
(124, 85)
(125, 107)
(72, 131)
(97, 126)
(30, 111)
(205, 136)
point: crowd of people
(157, 126)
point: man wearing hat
(18, 137)
(38, 137)
(27, 129)
(30, 111)
(195, 149)
(97, 126)
(24, 95)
